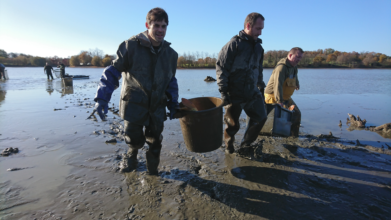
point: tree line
(312, 59)
(93, 57)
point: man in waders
(283, 82)
(48, 70)
(2, 71)
(148, 65)
(239, 73)
(62, 69)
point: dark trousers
(136, 137)
(49, 75)
(256, 112)
(2, 75)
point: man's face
(295, 58)
(256, 29)
(156, 31)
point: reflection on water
(62, 89)
(49, 86)
(2, 95)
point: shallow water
(325, 97)
(67, 163)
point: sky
(64, 28)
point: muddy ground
(64, 169)
(278, 178)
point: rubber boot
(129, 161)
(252, 131)
(229, 145)
(153, 160)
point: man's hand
(102, 107)
(226, 99)
(297, 87)
(175, 112)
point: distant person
(283, 82)
(239, 73)
(62, 69)
(148, 65)
(2, 71)
(48, 69)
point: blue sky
(64, 28)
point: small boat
(57, 73)
(80, 76)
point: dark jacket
(148, 75)
(239, 68)
(48, 69)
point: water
(325, 96)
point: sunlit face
(156, 31)
(256, 29)
(294, 59)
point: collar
(144, 41)
(245, 36)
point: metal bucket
(67, 81)
(203, 129)
(278, 122)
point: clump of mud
(356, 122)
(10, 150)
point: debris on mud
(111, 141)
(17, 168)
(58, 109)
(384, 128)
(209, 79)
(356, 122)
(8, 151)
(327, 136)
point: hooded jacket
(148, 80)
(281, 72)
(239, 68)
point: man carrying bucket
(62, 69)
(239, 73)
(148, 65)
(283, 82)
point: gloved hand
(175, 112)
(226, 99)
(102, 107)
(261, 89)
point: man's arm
(224, 64)
(172, 92)
(261, 84)
(297, 79)
(279, 79)
(109, 80)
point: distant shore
(300, 67)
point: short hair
(252, 18)
(295, 50)
(157, 14)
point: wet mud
(315, 176)
(311, 177)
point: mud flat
(277, 178)
(65, 169)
